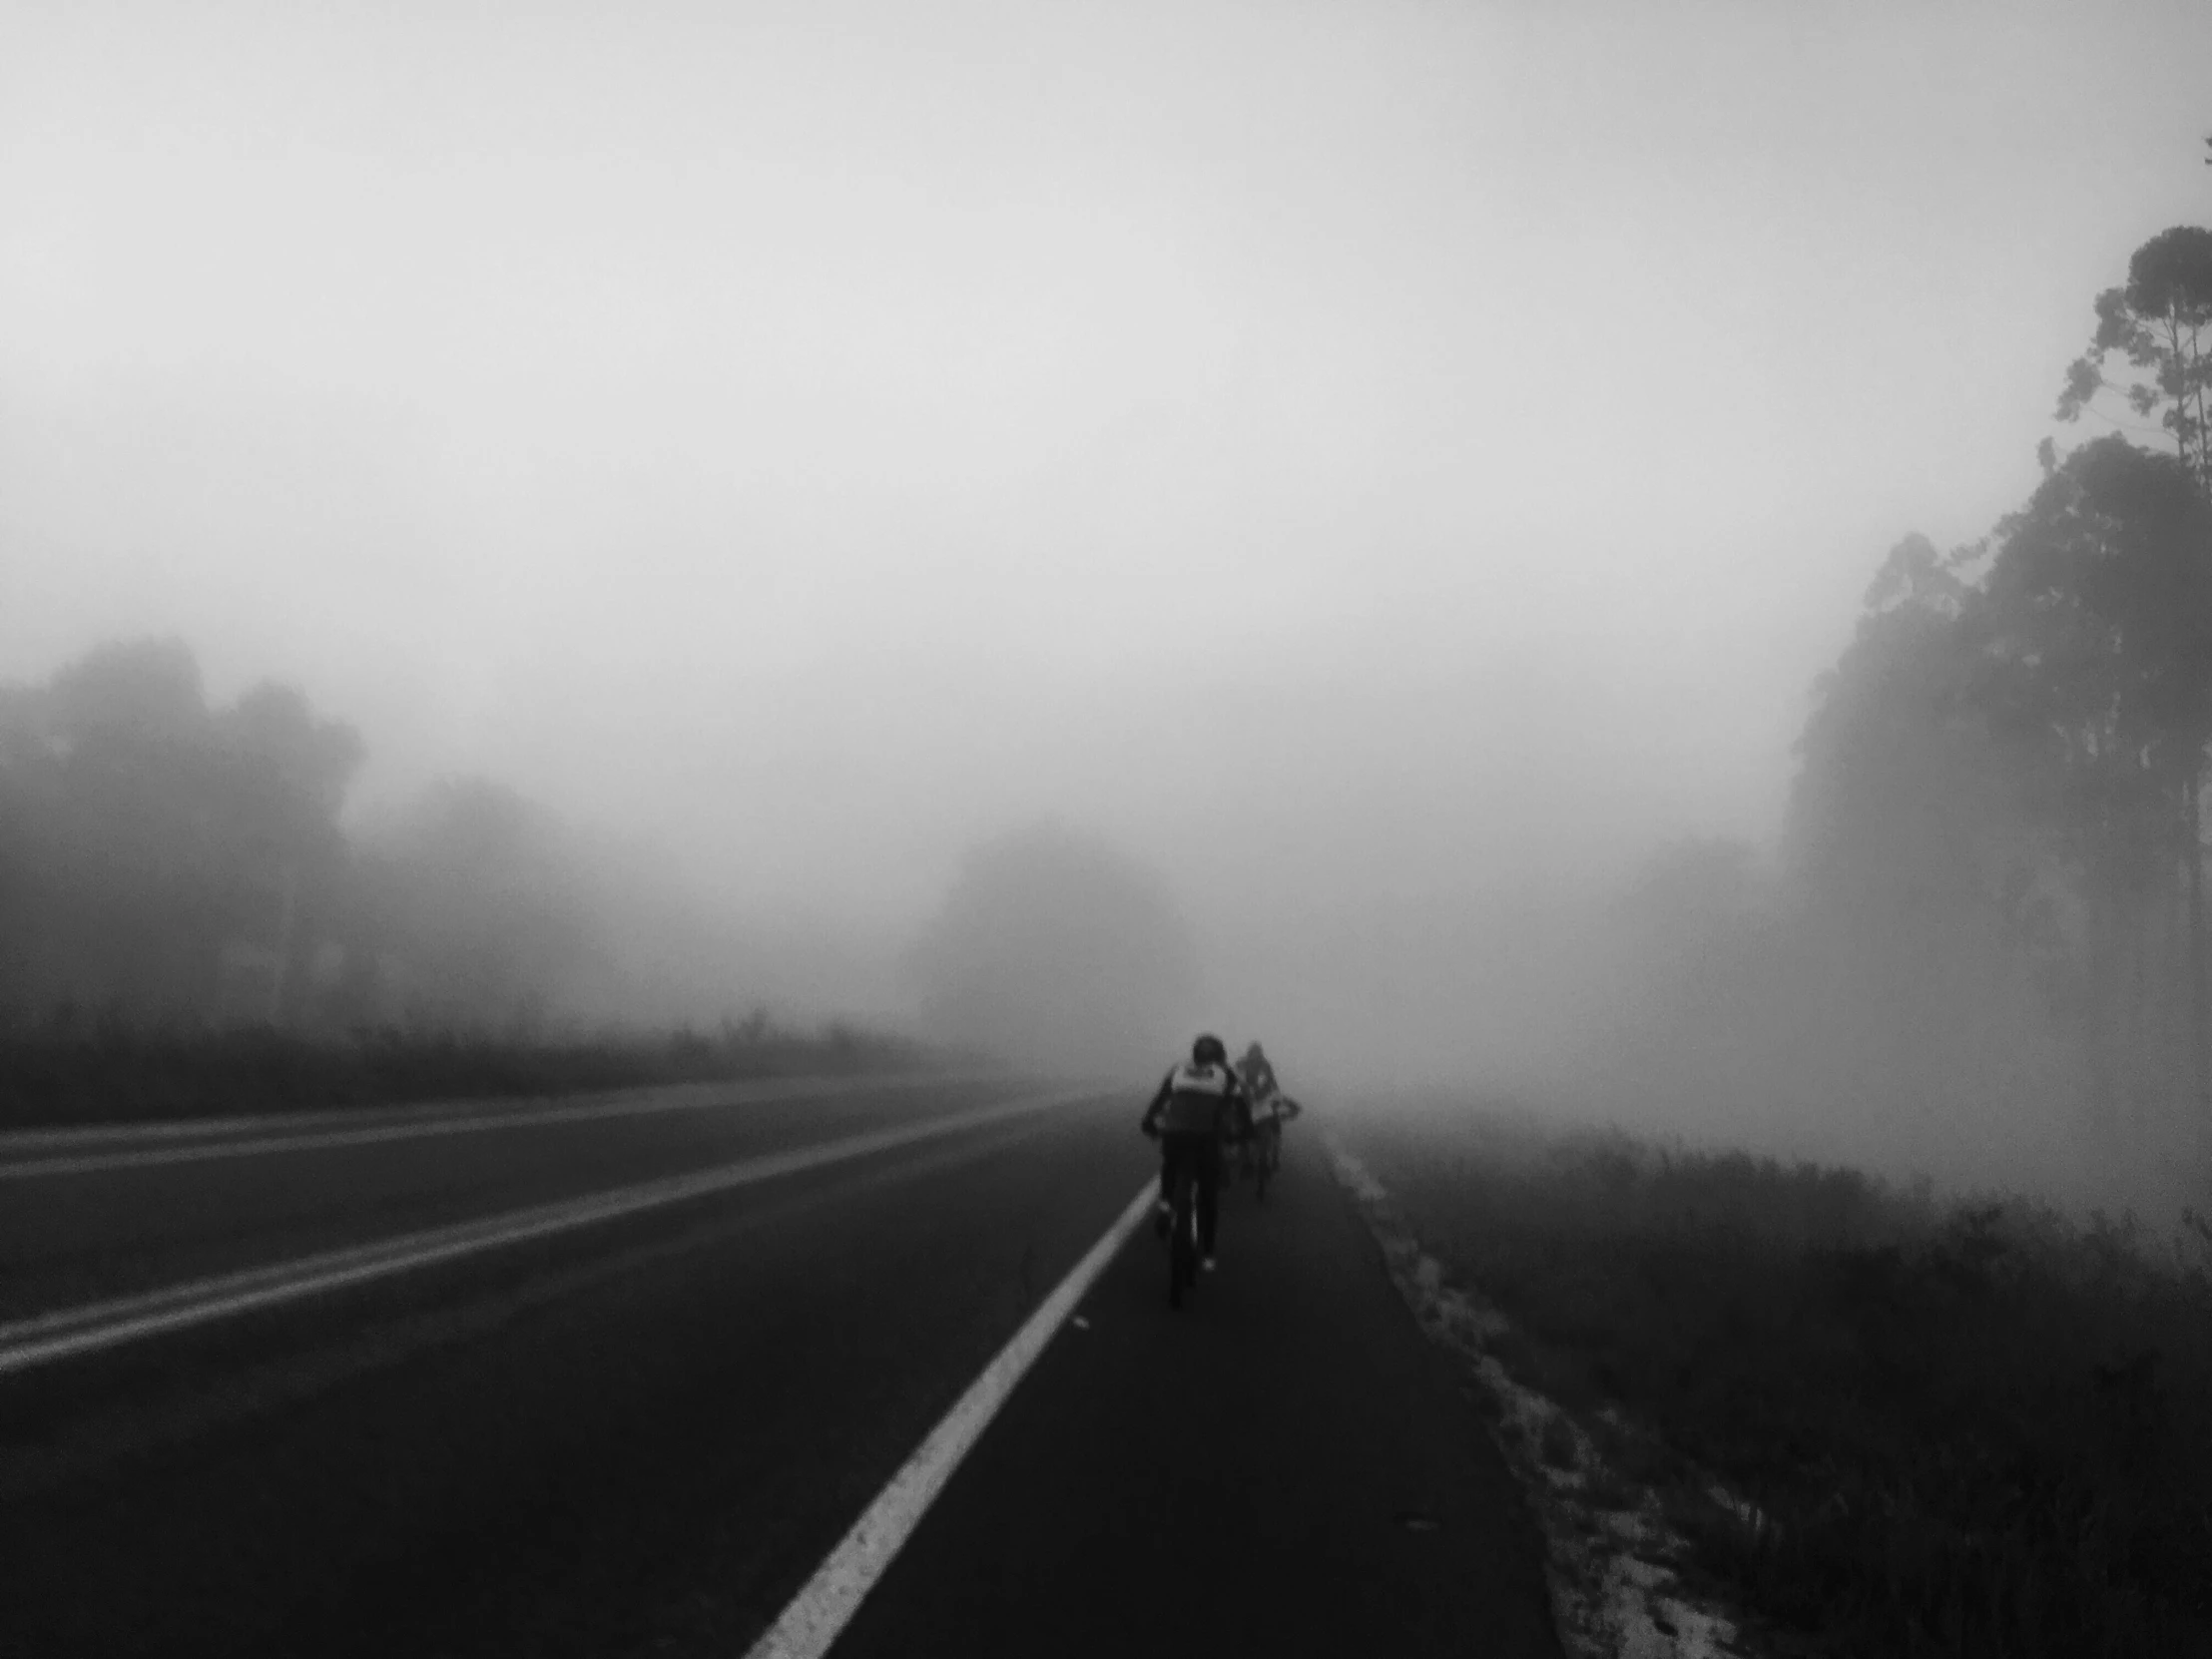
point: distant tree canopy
(1991, 895)
(166, 860)
(1054, 951)
(2160, 322)
(478, 906)
(1886, 809)
(148, 840)
(1997, 822)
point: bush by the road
(1980, 1430)
(124, 1075)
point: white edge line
(487, 1107)
(822, 1610)
(285, 1123)
(45, 1338)
(419, 1127)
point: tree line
(165, 861)
(1994, 849)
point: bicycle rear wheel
(1181, 1239)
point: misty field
(1979, 1429)
(129, 1075)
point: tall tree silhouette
(2160, 323)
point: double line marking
(68, 1333)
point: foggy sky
(1376, 461)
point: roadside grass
(126, 1075)
(1979, 1429)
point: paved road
(639, 1436)
(101, 1213)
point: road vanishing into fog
(621, 1375)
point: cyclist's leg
(1175, 1169)
(1172, 1158)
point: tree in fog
(151, 844)
(1998, 781)
(1995, 821)
(165, 860)
(1915, 917)
(2000, 784)
(473, 906)
(1052, 950)
(1890, 812)
(2160, 323)
(2093, 641)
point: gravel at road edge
(1614, 1593)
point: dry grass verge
(1883, 1426)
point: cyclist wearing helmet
(1258, 1073)
(1265, 1096)
(1197, 1104)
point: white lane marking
(185, 1129)
(412, 1128)
(823, 1609)
(46, 1337)
(489, 1108)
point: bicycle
(1264, 1155)
(1182, 1232)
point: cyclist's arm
(1158, 1103)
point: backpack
(1196, 1096)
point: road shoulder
(1288, 1465)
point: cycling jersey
(1192, 1110)
(1194, 1100)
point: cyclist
(1198, 1104)
(1271, 1107)
(1258, 1072)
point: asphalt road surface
(616, 1381)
